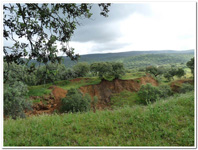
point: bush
(186, 87)
(148, 93)
(165, 91)
(76, 102)
(15, 101)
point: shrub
(148, 93)
(165, 91)
(186, 87)
(15, 101)
(76, 102)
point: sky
(138, 26)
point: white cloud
(171, 25)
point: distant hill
(134, 59)
(141, 58)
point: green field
(167, 122)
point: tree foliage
(117, 69)
(180, 72)
(154, 70)
(170, 73)
(190, 64)
(105, 69)
(81, 69)
(42, 26)
(15, 101)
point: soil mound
(105, 89)
(48, 103)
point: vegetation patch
(167, 122)
(124, 98)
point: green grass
(167, 122)
(124, 98)
(134, 75)
(39, 90)
(90, 81)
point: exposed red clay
(103, 91)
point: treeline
(17, 78)
(132, 60)
(55, 72)
(155, 60)
(170, 72)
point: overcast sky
(138, 26)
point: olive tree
(81, 69)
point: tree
(154, 70)
(190, 64)
(168, 76)
(105, 69)
(81, 69)
(94, 68)
(102, 69)
(42, 25)
(180, 72)
(170, 73)
(117, 69)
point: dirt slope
(49, 103)
(105, 89)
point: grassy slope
(165, 123)
(40, 90)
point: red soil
(103, 91)
(52, 102)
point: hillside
(167, 122)
(134, 59)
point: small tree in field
(117, 69)
(154, 70)
(180, 72)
